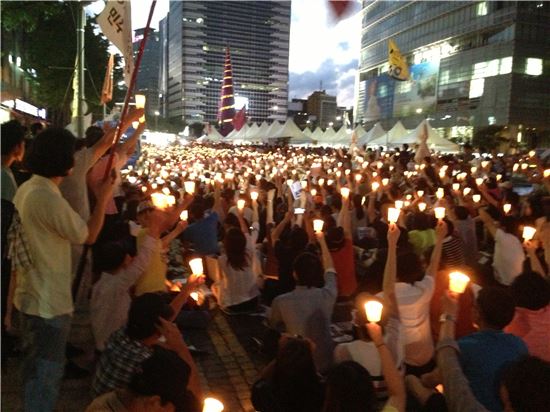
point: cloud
(322, 50)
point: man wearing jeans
(42, 259)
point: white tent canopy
(359, 132)
(317, 134)
(251, 132)
(328, 136)
(435, 141)
(307, 132)
(261, 133)
(214, 135)
(342, 137)
(289, 129)
(374, 133)
(273, 130)
(396, 136)
(241, 134)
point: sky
(321, 50)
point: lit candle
(254, 195)
(132, 179)
(321, 181)
(516, 167)
(375, 186)
(318, 225)
(458, 282)
(532, 153)
(240, 204)
(135, 125)
(184, 215)
(159, 200)
(393, 214)
(194, 296)
(476, 198)
(344, 192)
(528, 233)
(358, 177)
(166, 191)
(170, 200)
(484, 164)
(456, 187)
(442, 174)
(546, 173)
(422, 206)
(330, 182)
(524, 166)
(144, 189)
(303, 183)
(507, 207)
(440, 193)
(313, 192)
(407, 203)
(473, 169)
(212, 405)
(196, 266)
(420, 193)
(338, 173)
(479, 181)
(385, 181)
(154, 186)
(466, 191)
(373, 310)
(347, 172)
(189, 187)
(399, 204)
(439, 213)
(499, 176)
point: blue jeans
(44, 343)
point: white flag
(116, 24)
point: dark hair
(409, 267)
(530, 291)
(525, 381)
(359, 210)
(12, 134)
(461, 212)
(109, 256)
(349, 388)
(93, 135)
(234, 244)
(144, 314)
(36, 127)
(166, 375)
(336, 201)
(421, 221)
(510, 224)
(450, 226)
(196, 209)
(496, 306)
(52, 153)
(297, 239)
(308, 269)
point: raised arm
(95, 223)
(394, 381)
(435, 259)
(531, 247)
(344, 218)
(276, 233)
(269, 207)
(488, 222)
(390, 272)
(326, 257)
(371, 207)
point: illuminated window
(505, 65)
(482, 8)
(492, 68)
(476, 88)
(533, 67)
(479, 70)
(444, 79)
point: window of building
(476, 88)
(505, 65)
(492, 68)
(533, 66)
(444, 77)
(479, 70)
(482, 8)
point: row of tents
(374, 137)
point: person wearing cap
(160, 384)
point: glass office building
(194, 36)
(472, 64)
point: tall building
(194, 37)
(147, 81)
(473, 64)
(322, 107)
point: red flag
(339, 7)
(107, 91)
(240, 119)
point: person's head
(234, 244)
(36, 128)
(461, 213)
(93, 135)
(294, 360)
(160, 384)
(530, 291)
(144, 211)
(196, 210)
(12, 140)
(357, 200)
(335, 238)
(409, 267)
(421, 221)
(494, 308)
(510, 225)
(524, 386)
(349, 388)
(297, 239)
(336, 201)
(110, 257)
(144, 314)
(52, 153)
(308, 270)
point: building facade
(472, 64)
(194, 37)
(321, 108)
(147, 81)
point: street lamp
(157, 114)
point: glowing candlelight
(254, 195)
(439, 213)
(373, 310)
(385, 181)
(166, 191)
(466, 191)
(499, 177)
(240, 204)
(528, 233)
(347, 172)
(546, 173)
(422, 206)
(321, 181)
(170, 200)
(330, 182)
(456, 187)
(479, 181)
(338, 173)
(144, 189)
(194, 296)
(358, 177)
(458, 282)
(212, 405)
(476, 198)
(184, 215)
(440, 193)
(196, 266)
(344, 192)
(313, 192)
(318, 225)
(375, 186)
(393, 214)
(135, 125)
(516, 167)
(420, 193)
(159, 200)
(524, 166)
(399, 204)
(484, 164)
(473, 169)
(303, 183)
(507, 207)
(189, 187)
(442, 174)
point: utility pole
(78, 85)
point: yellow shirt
(50, 225)
(154, 276)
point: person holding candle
(307, 310)
(508, 256)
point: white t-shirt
(508, 258)
(74, 187)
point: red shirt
(344, 264)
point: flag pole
(130, 90)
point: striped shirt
(452, 253)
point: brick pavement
(227, 371)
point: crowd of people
(306, 237)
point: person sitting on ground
(307, 310)
(159, 385)
(236, 285)
(485, 354)
(149, 318)
(290, 382)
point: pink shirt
(533, 326)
